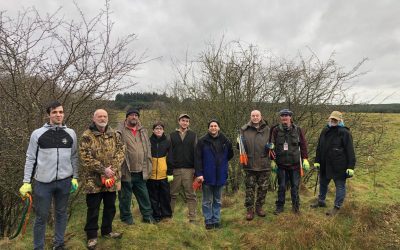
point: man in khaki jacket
(255, 135)
(101, 151)
(135, 168)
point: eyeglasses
(158, 128)
(285, 115)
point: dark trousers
(138, 187)
(160, 198)
(293, 177)
(93, 202)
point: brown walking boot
(260, 212)
(250, 214)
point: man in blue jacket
(213, 152)
(52, 160)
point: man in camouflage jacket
(102, 152)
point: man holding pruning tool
(253, 137)
(51, 160)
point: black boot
(278, 210)
(296, 209)
(318, 204)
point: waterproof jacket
(52, 154)
(160, 149)
(137, 154)
(335, 152)
(211, 160)
(98, 151)
(254, 140)
(183, 150)
(296, 143)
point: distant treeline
(139, 100)
(147, 100)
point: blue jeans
(293, 177)
(340, 184)
(211, 204)
(43, 194)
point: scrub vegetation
(369, 218)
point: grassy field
(369, 219)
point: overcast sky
(167, 29)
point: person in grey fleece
(52, 161)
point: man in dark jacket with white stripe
(213, 152)
(52, 160)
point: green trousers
(138, 187)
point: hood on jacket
(263, 124)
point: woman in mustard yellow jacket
(161, 175)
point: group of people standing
(156, 168)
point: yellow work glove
(349, 172)
(74, 185)
(170, 178)
(25, 188)
(274, 167)
(317, 165)
(306, 165)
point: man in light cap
(290, 154)
(336, 160)
(183, 145)
(135, 169)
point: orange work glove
(197, 185)
(109, 183)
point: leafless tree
(79, 62)
(229, 79)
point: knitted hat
(213, 120)
(132, 111)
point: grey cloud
(167, 29)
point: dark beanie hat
(213, 120)
(132, 111)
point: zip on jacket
(46, 143)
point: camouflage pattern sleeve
(119, 155)
(87, 151)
